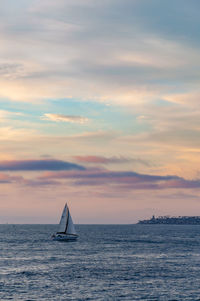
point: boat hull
(64, 237)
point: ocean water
(108, 262)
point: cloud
(38, 165)
(4, 179)
(179, 195)
(134, 53)
(110, 160)
(125, 53)
(64, 173)
(65, 118)
(121, 180)
(11, 70)
(35, 182)
(189, 99)
(4, 115)
(100, 159)
(9, 133)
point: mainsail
(66, 225)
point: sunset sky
(99, 106)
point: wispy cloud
(8, 114)
(5, 179)
(149, 60)
(65, 118)
(122, 180)
(108, 160)
(9, 133)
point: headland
(174, 220)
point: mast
(67, 221)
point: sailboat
(66, 229)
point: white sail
(66, 229)
(63, 220)
(70, 225)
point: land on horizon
(177, 220)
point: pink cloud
(100, 159)
(122, 180)
(4, 178)
(118, 180)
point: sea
(107, 262)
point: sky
(99, 107)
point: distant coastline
(179, 220)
